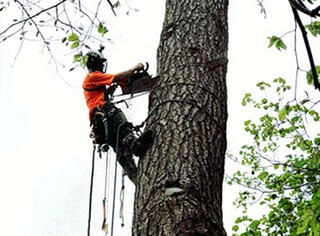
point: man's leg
(121, 140)
(125, 140)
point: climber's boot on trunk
(142, 144)
(129, 166)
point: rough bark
(188, 114)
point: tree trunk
(179, 189)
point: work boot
(142, 144)
(131, 170)
(129, 167)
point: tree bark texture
(179, 189)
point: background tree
(179, 188)
(279, 168)
(282, 165)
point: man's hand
(123, 78)
(138, 67)
(112, 88)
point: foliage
(282, 166)
(75, 24)
(277, 42)
(314, 28)
(310, 79)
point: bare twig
(30, 17)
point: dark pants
(112, 128)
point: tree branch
(306, 41)
(29, 16)
(298, 5)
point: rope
(91, 188)
(130, 98)
(190, 102)
(106, 180)
(105, 202)
(115, 178)
(122, 199)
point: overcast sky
(45, 149)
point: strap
(94, 89)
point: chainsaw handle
(147, 67)
(144, 69)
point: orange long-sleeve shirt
(91, 84)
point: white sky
(45, 151)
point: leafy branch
(72, 23)
(288, 184)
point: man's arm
(125, 75)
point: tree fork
(179, 189)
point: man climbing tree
(110, 126)
(179, 187)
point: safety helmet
(96, 61)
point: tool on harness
(104, 223)
(100, 130)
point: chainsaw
(141, 81)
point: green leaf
(314, 28)
(77, 57)
(262, 85)
(277, 42)
(102, 29)
(255, 224)
(272, 40)
(73, 37)
(317, 141)
(84, 60)
(283, 114)
(235, 228)
(310, 75)
(306, 217)
(75, 45)
(281, 45)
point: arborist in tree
(110, 126)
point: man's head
(96, 61)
